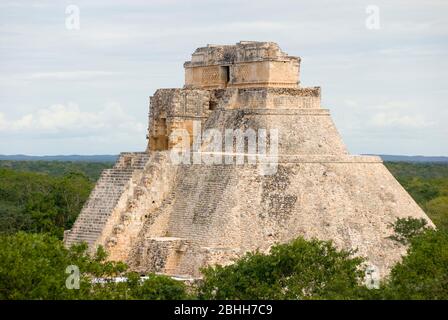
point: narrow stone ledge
(300, 158)
(275, 111)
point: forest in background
(427, 183)
(47, 196)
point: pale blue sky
(86, 91)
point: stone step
(105, 196)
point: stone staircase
(104, 198)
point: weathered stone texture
(173, 219)
(106, 197)
(246, 64)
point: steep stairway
(104, 198)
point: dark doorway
(159, 140)
(226, 71)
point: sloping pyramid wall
(218, 212)
(174, 219)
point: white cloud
(125, 50)
(68, 120)
(402, 114)
(70, 75)
(394, 119)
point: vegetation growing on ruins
(38, 201)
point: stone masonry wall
(225, 211)
(163, 217)
(172, 109)
(218, 212)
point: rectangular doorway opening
(226, 74)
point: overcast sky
(69, 91)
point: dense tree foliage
(36, 202)
(33, 266)
(299, 270)
(428, 185)
(316, 270)
(423, 273)
(405, 229)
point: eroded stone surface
(162, 217)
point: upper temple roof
(243, 51)
(243, 65)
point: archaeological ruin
(173, 218)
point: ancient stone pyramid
(171, 218)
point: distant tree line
(92, 170)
